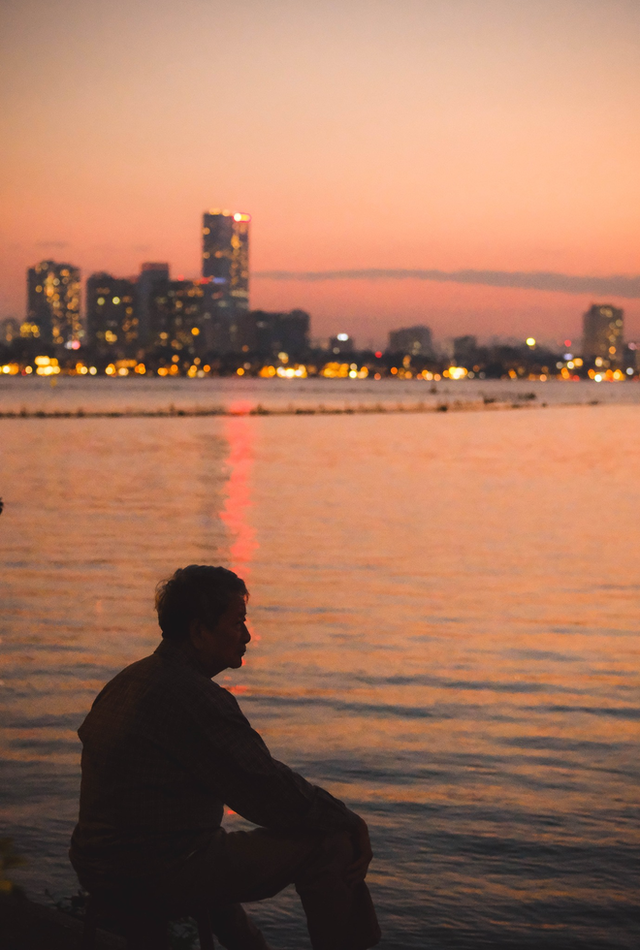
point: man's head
(204, 608)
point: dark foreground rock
(28, 926)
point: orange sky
(439, 134)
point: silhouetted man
(164, 748)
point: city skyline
(95, 313)
(470, 166)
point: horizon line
(617, 285)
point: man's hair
(197, 592)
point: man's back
(145, 802)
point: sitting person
(164, 748)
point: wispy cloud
(617, 285)
(51, 244)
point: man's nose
(246, 636)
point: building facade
(9, 330)
(465, 350)
(603, 335)
(53, 304)
(342, 344)
(225, 267)
(153, 277)
(176, 315)
(112, 323)
(411, 341)
(266, 334)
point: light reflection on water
(446, 616)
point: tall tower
(53, 304)
(153, 279)
(112, 324)
(225, 265)
(602, 336)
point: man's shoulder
(165, 680)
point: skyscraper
(225, 264)
(176, 315)
(412, 341)
(266, 334)
(153, 279)
(465, 350)
(602, 335)
(112, 325)
(53, 304)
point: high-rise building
(112, 324)
(411, 341)
(9, 330)
(603, 335)
(225, 265)
(465, 350)
(153, 278)
(342, 344)
(266, 334)
(53, 304)
(176, 315)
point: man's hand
(357, 871)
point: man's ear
(197, 631)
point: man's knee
(329, 859)
(338, 847)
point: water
(73, 394)
(445, 614)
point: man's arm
(238, 767)
(363, 853)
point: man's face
(223, 646)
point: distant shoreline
(172, 412)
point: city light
(291, 372)
(335, 370)
(457, 372)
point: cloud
(614, 286)
(51, 244)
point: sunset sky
(361, 135)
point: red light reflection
(238, 431)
